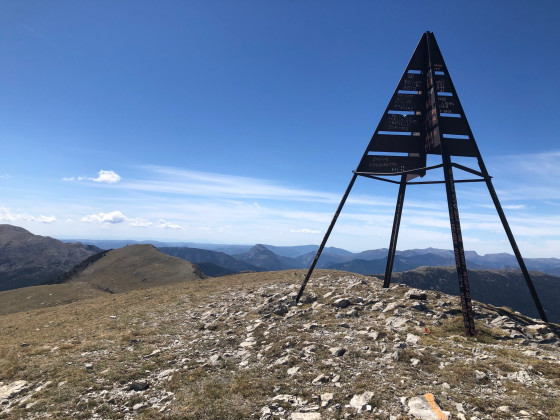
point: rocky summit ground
(238, 347)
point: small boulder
(309, 298)
(321, 379)
(282, 360)
(341, 303)
(293, 370)
(280, 309)
(214, 360)
(305, 416)
(337, 351)
(11, 390)
(360, 401)
(412, 339)
(418, 296)
(137, 386)
(326, 399)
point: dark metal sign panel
(397, 144)
(406, 102)
(402, 123)
(412, 82)
(442, 84)
(448, 105)
(374, 164)
(418, 59)
(438, 66)
(461, 147)
(453, 125)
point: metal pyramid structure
(425, 116)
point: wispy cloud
(140, 222)
(111, 217)
(108, 177)
(45, 219)
(5, 176)
(161, 202)
(305, 231)
(168, 180)
(528, 176)
(8, 216)
(117, 217)
(164, 224)
(506, 206)
(543, 165)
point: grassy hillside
(34, 297)
(234, 348)
(121, 270)
(137, 266)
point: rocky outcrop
(244, 349)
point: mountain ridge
(494, 287)
(302, 255)
(136, 266)
(27, 259)
(109, 272)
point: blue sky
(241, 121)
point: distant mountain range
(213, 263)
(63, 272)
(28, 260)
(262, 257)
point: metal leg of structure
(515, 249)
(395, 233)
(329, 230)
(466, 304)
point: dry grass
(169, 319)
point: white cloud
(506, 206)
(306, 231)
(166, 202)
(208, 184)
(116, 217)
(167, 225)
(107, 177)
(531, 176)
(110, 177)
(140, 222)
(111, 217)
(45, 219)
(5, 176)
(7, 216)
